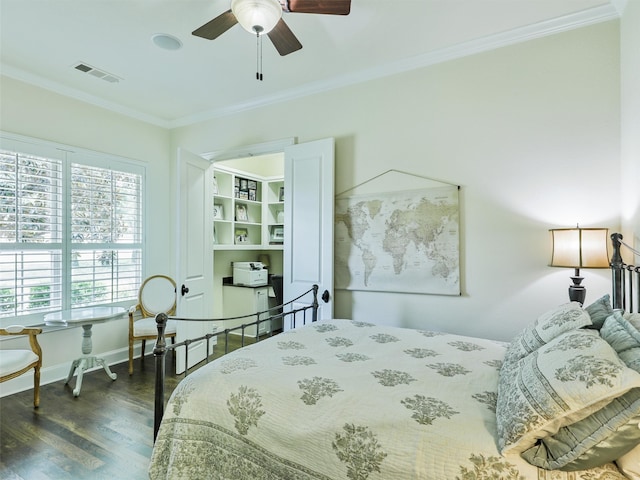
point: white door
(194, 271)
(309, 212)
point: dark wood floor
(105, 433)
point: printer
(251, 274)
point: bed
(345, 399)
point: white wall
(34, 112)
(531, 133)
(630, 135)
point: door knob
(325, 296)
(184, 290)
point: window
(71, 229)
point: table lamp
(579, 248)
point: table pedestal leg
(87, 361)
(100, 361)
(82, 366)
(87, 344)
(71, 370)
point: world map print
(404, 241)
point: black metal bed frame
(284, 312)
(625, 279)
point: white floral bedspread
(344, 400)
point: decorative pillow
(602, 437)
(548, 326)
(607, 434)
(599, 311)
(633, 319)
(624, 338)
(562, 382)
(629, 464)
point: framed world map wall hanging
(402, 241)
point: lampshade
(257, 16)
(580, 247)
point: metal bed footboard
(625, 278)
(286, 311)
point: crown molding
(620, 5)
(55, 87)
(565, 23)
(603, 13)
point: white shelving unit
(274, 206)
(248, 211)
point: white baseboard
(59, 372)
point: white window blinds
(71, 230)
(106, 234)
(30, 232)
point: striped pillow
(563, 382)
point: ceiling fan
(265, 17)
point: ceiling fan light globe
(257, 16)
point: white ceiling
(42, 40)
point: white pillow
(569, 316)
(629, 464)
(633, 319)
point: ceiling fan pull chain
(258, 56)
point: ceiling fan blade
(283, 39)
(217, 26)
(327, 7)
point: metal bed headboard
(625, 278)
(292, 310)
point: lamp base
(577, 293)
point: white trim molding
(609, 11)
(565, 23)
(59, 372)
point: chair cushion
(12, 361)
(146, 327)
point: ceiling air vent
(96, 72)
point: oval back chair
(157, 294)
